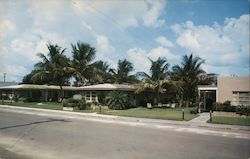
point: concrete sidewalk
(197, 122)
(201, 119)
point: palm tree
(53, 68)
(101, 72)
(122, 74)
(157, 79)
(188, 73)
(208, 79)
(82, 63)
(27, 78)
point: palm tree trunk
(61, 94)
(157, 95)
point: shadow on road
(35, 123)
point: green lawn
(245, 121)
(47, 105)
(156, 113)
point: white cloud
(20, 44)
(86, 25)
(47, 12)
(3, 53)
(128, 22)
(29, 44)
(188, 40)
(6, 26)
(104, 48)
(222, 70)
(151, 17)
(139, 57)
(164, 41)
(226, 44)
(161, 52)
(122, 14)
(24, 48)
(103, 44)
(13, 72)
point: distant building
(233, 89)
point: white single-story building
(52, 92)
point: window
(241, 98)
(87, 96)
(94, 98)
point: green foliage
(156, 113)
(156, 80)
(53, 68)
(122, 74)
(243, 110)
(101, 72)
(194, 111)
(226, 106)
(101, 97)
(118, 100)
(188, 73)
(5, 97)
(244, 121)
(75, 103)
(82, 63)
(218, 106)
(16, 98)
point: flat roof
(207, 87)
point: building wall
(228, 85)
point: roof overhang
(108, 87)
(98, 87)
(35, 87)
(207, 88)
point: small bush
(243, 110)
(118, 101)
(22, 99)
(218, 106)
(32, 100)
(75, 103)
(194, 111)
(101, 97)
(16, 98)
(5, 97)
(226, 106)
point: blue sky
(215, 30)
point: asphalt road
(32, 136)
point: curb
(129, 119)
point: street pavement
(41, 135)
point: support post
(183, 116)
(100, 108)
(210, 116)
(205, 101)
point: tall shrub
(118, 100)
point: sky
(215, 30)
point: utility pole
(4, 77)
